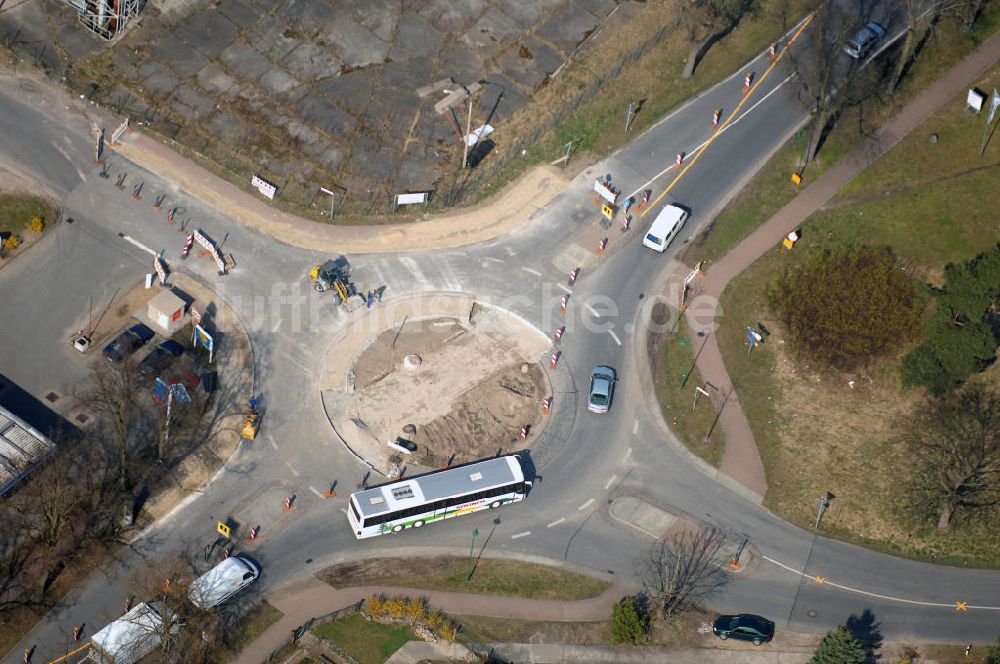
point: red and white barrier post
(602, 245)
(253, 533)
(573, 274)
(715, 119)
(524, 431)
(554, 360)
(772, 52)
(679, 160)
(559, 332)
(747, 82)
(288, 503)
(546, 405)
(562, 303)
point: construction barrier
(602, 245)
(573, 274)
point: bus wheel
(495, 504)
(396, 529)
(417, 524)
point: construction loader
(333, 275)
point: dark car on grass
(128, 342)
(861, 44)
(744, 627)
(160, 357)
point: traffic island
(434, 381)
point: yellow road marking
(725, 123)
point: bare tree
(908, 49)
(708, 21)
(112, 394)
(955, 446)
(682, 569)
(17, 549)
(973, 10)
(829, 82)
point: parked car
(160, 357)
(861, 44)
(602, 389)
(128, 342)
(222, 582)
(744, 627)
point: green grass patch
(367, 641)
(675, 378)
(771, 188)
(814, 430)
(680, 632)
(17, 211)
(510, 578)
(250, 626)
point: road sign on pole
(223, 529)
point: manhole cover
(811, 613)
(52, 397)
(82, 418)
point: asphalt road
(583, 460)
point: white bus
(442, 494)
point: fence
(297, 633)
(185, 136)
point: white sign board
(221, 264)
(263, 186)
(975, 100)
(482, 132)
(994, 104)
(410, 199)
(160, 271)
(605, 192)
(202, 240)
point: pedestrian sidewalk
(310, 598)
(504, 211)
(554, 652)
(741, 459)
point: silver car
(864, 40)
(602, 389)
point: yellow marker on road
(735, 113)
(223, 529)
(961, 606)
(820, 579)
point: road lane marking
(316, 491)
(270, 439)
(492, 260)
(628, 453)
(592, 311)
(890, 598)
(718, 132)
(565, 288)
(344, 510)
(611, 480)
(137, 244)
(635, 427)
(520, 535)
(615, 337)
(590, 501)
(414, 269)
(294, 472)
(530, 271)
(556, 522)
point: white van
(665, 228)
(133, 636)
(222, 582)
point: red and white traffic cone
(747, 81)
(288, 504)
(253, 533)
(679, 160)
(128, 604)
(524, 431)
(27, 656)
(559, 332)
(562, 303)
(626, 222)
(715, 119)
(554, 360)
(602, 245)
(546, 405)
(573, 274)
(772, 52)
(76, 633)
(170, 215)
(226, 552)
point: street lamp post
(472, 547)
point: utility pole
(468, 131)
(994, 103)
(628, 116)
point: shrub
(839, 647)
(845, 306)
(993, 656)
(11, 242)
(629, 623)
(36, 225)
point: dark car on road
(160, 357)
(744, 627)
(128, 342)
(861, 44)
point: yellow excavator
(333, 275)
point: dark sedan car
(744, 627)
(861, 44)
(128, 342)
(160, 357)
